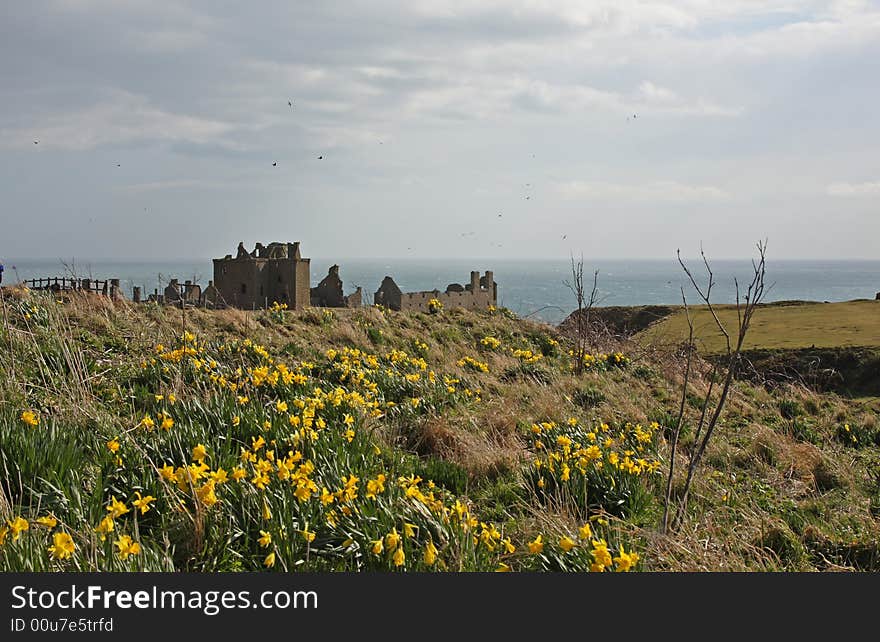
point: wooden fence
(107, 287)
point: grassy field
(137, 437)
(779, 326)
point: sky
(158, 129)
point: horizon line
(530, 259)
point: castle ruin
(328, 293)
(479, 294)
(276, 272)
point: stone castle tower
(276, 272)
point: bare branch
(745, 310)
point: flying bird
(320, 157)
(118, 165)
(274, 164)
(36, 142)
(563, 236)
(289, 104)
(528, 197)
(499, 215)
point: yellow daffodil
(392, 539)
(399, 557)
(126, 546)
(62, 546)
(269, 560)
(625, 561)
(142, 503)
(167, 473)
(566, 544)
(30, 418)
(430, 553)
(199, 452)
(18, 526)
(219, 476)
(117, 508)
(536, 546)
(106, 526)
(601, 556)
(265, 539)
(206, 494)
(49, 521)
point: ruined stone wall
(355, 299)
(238, 282)
(479, 294)
(479, 300)
(388, 294)
(303, 289)
(328, 293)
(278, 283)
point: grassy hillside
(143, 438)
(780, 326)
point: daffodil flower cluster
(603, 361)
(473, 364)
(601, 466)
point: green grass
(775, 326)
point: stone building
(328, 293)
(175, 292)
(479, 294)
(276, 272)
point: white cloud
(653, 191)
(118, 117)
(854, 189)
(662, 99)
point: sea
(532, 288)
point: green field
(779, 326)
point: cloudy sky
(440, 128)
